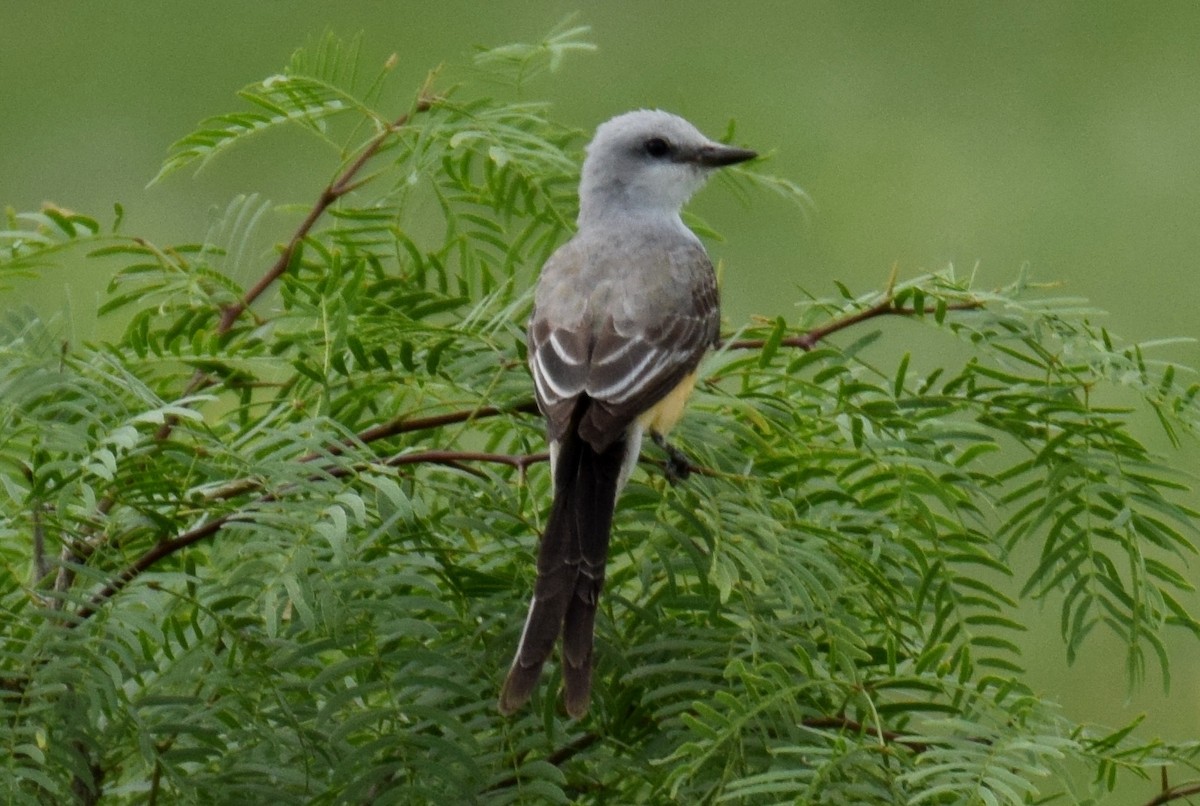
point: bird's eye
(657, 147)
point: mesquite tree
(273, 542)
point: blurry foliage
(281, 554)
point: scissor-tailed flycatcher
(623, 313)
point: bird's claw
(677, 467)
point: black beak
(715, 155)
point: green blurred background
(1065, 136)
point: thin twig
(845, 723)
(158, 551)
(885, 307)
(455, 459)
(570, 750)
(397, 425)
(165, 548)
(65, 577)
(405, 425)
(41, 568)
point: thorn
(890, 289)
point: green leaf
(773, 340)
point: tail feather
(600, 475)
(571, 559)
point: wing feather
(641, 331)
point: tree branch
(41, 568)
(404, 424)
(455, 459)
(165, 548)
(158, 551)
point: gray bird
(623, 313)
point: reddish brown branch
(885, 307)
(457, 459)
(581, 744)
(405, 425)
(158, 551)
(1175, 793)
(335, 190)
(397, 425)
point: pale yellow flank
(662, 416)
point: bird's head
(648, 161)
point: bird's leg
(678, 466)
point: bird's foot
(677, 467)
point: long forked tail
(570, 574)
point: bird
(623, 313)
